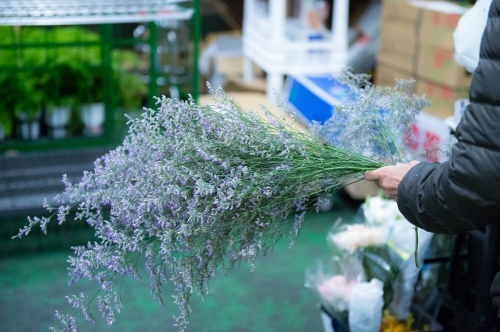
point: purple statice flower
(193, 188)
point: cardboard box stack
(396, 57)
(416, 41)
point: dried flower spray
(193, 188)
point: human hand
(389, 177)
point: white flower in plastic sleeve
(357, 236)
(379, 211)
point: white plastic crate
(281, 46)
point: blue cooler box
(314, 97)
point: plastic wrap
(368, 242)
(402, 243)
(377, 245)
(334, 280)
(351, 237)
(365, 307)
(382, 212)
(378, 211)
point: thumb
(372, 175)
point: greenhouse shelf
(156, 16)
(56, 12)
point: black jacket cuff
(411, 202)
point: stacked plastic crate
(282, 45)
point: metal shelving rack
(61, 12)
(105, 14)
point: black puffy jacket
(464, 192)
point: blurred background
(71, 73)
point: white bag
(468, 35)
(365, 306)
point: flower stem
(416, 247)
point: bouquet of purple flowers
(197, 187)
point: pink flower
(337, 288)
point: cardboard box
(400, 12)
(442, 98)
(398, 35)
(222, 57)
(212, 36)
(386, 75)
(402, 36)
(391, 53)
(397, 46)
(437, 64)
(439, 20)
(229, 66)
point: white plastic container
(93, 118)
(30, 130)
(29, 127)
(57, 119)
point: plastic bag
(365, 307)
(402, 243)
(377, 264)
(468, 35)
(394, 265)
(334, 280)
(384, 241)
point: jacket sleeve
(464, 192)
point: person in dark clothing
(462, 193)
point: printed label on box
(438, 64)
(427, 136)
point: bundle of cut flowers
(334, 279)
(375, 244)
(384, 240)
(360, 248)
(193, 188)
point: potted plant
(92, 106)
(5, 125)
(8, 94)
(28, 105)
(82, 77)
(7, 36)
(130, 88)
(20, 95)
(90, 55)
(61, 87)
